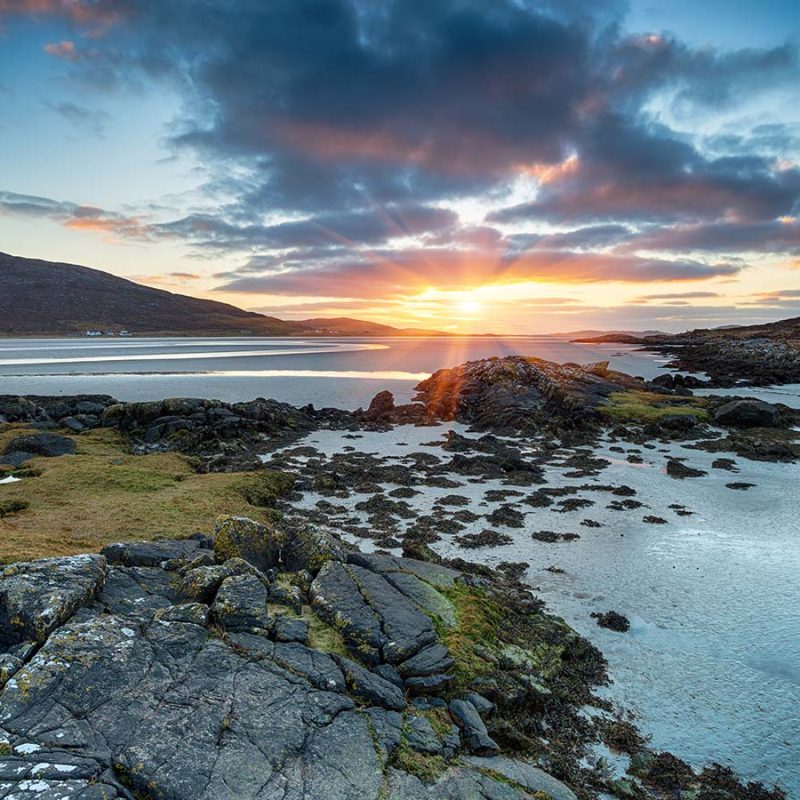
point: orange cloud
(95, 17)
(64, 49)
(550, 173)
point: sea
(335, 372)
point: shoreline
(505, 456)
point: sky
(468, 165)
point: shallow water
(711, 665)
(340, 372)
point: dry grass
(80, 503)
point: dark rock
(151, 554)
(747, 414)
(48, 445)
(677, 469)
(429, 684)
(369, 687)
(429, 661)
(241, 605)
(521, 394)
(485, 538)
(473, 730)
(678, 422)
(290, 629)
(337, 599)
(36, 597)
(612, 620)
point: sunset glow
(614, 168)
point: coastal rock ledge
(203, 669)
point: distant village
(106, 333)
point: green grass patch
(478, 620)
(81, 502)
(649, 407)
(322, 636)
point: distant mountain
(574, 335)
(49, 299)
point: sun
(469, 306)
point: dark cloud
(724, 237)
(342, 128)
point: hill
(49, 298)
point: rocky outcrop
(758, 355)
(522, 394)
(119, 685)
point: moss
(478, 619)
(425, 766)
(104, 493)
(322, 636)
(262, 489)
(648, 407)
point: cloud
(677, 296)
(94, 17)
(74, 216)
(396, 273)
(83, 119)
(779, 236)
(64, 49)
(338, 137)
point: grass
(478, 620)
(104, 493)
(649, 407)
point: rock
(406, 629)
(201, 584)
(241, 605)
(369, 687)
(257, 543)
(309, 549)
(678, 422)
(677, 469)
(381, 406)
(482, 705)
(425, 596)
(612, 620)
(235, 726)
(485, 538)
(38, 596)
(151, 554)
(531, 778)
(429, 661)
(429, 684)
(53, 773)
(472, 727)
(48, 445)
(337, 599)
(747, 414)
(290, 629)
(516, 393)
